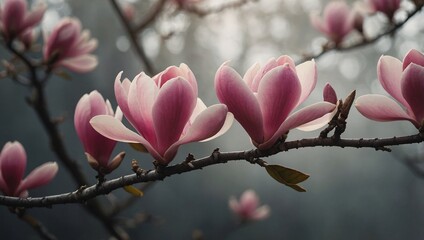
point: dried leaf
(138, 147)
(287, 176)
(133, 190)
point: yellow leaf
(287, 176)
(133, 190)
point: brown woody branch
(83, 195)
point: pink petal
(338, 19)
(34, 17)
(278, 94)
(12, 17)
(207, 124)
(271, 64)
(381, 108)
(249, 201)
(229, 119)
(233, 204)
(171, 111)
(318, 23)
(232, 91)
(261, 213)
(413, 90)
(329, 94)
(112, 128)
(300, 117)
(286, 59)
(141, 97)
(39, 176)
(121, 95)
(413, 56)
(307, 75)
(250, 74)
(12, 165)
(80, 64)
(389, 72)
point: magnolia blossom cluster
(166, 112)
(339, 19)
(66, 45)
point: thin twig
(229, 5)
(150, 16)
(364, 42)
(132, 34)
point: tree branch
(132, 34)
(39, 103)
(252, 156)
(364, 42)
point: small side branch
(364, 42)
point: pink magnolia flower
(165, 111)
(248, 209)
(337, 22)
(67, 46)
(97, 147)
(388, 7)
(12, 167)
(15, 18)
(263, 99)
(405, 82)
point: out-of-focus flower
(67, 46)
(248, 209)
(28, 38)
(13, 161)
(128, 10)
(97, 147)
(404, 81)
(15, 18)
(165, 111)
(337, 21)
(263, 99)
(388, 7)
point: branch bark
(251, 156)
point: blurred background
(351, 194)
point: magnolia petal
(250, 74)
(232, 91)
(300, 117)
(413, 56)
(39, 176)
(121, 94)
(141, 97)
(318, 23)
(12, 17)
(286, 59)
(381, 108)
(329, 94)
(200, 107)
(229, 119)
(389, 72)
(171, 111)
(319, 122)
(271, 64)
(261, 213)
(80, 64)
(233, 204)
(307, 74)
(13, 161)
(278, 94)
(413, 89)
(35, 16)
